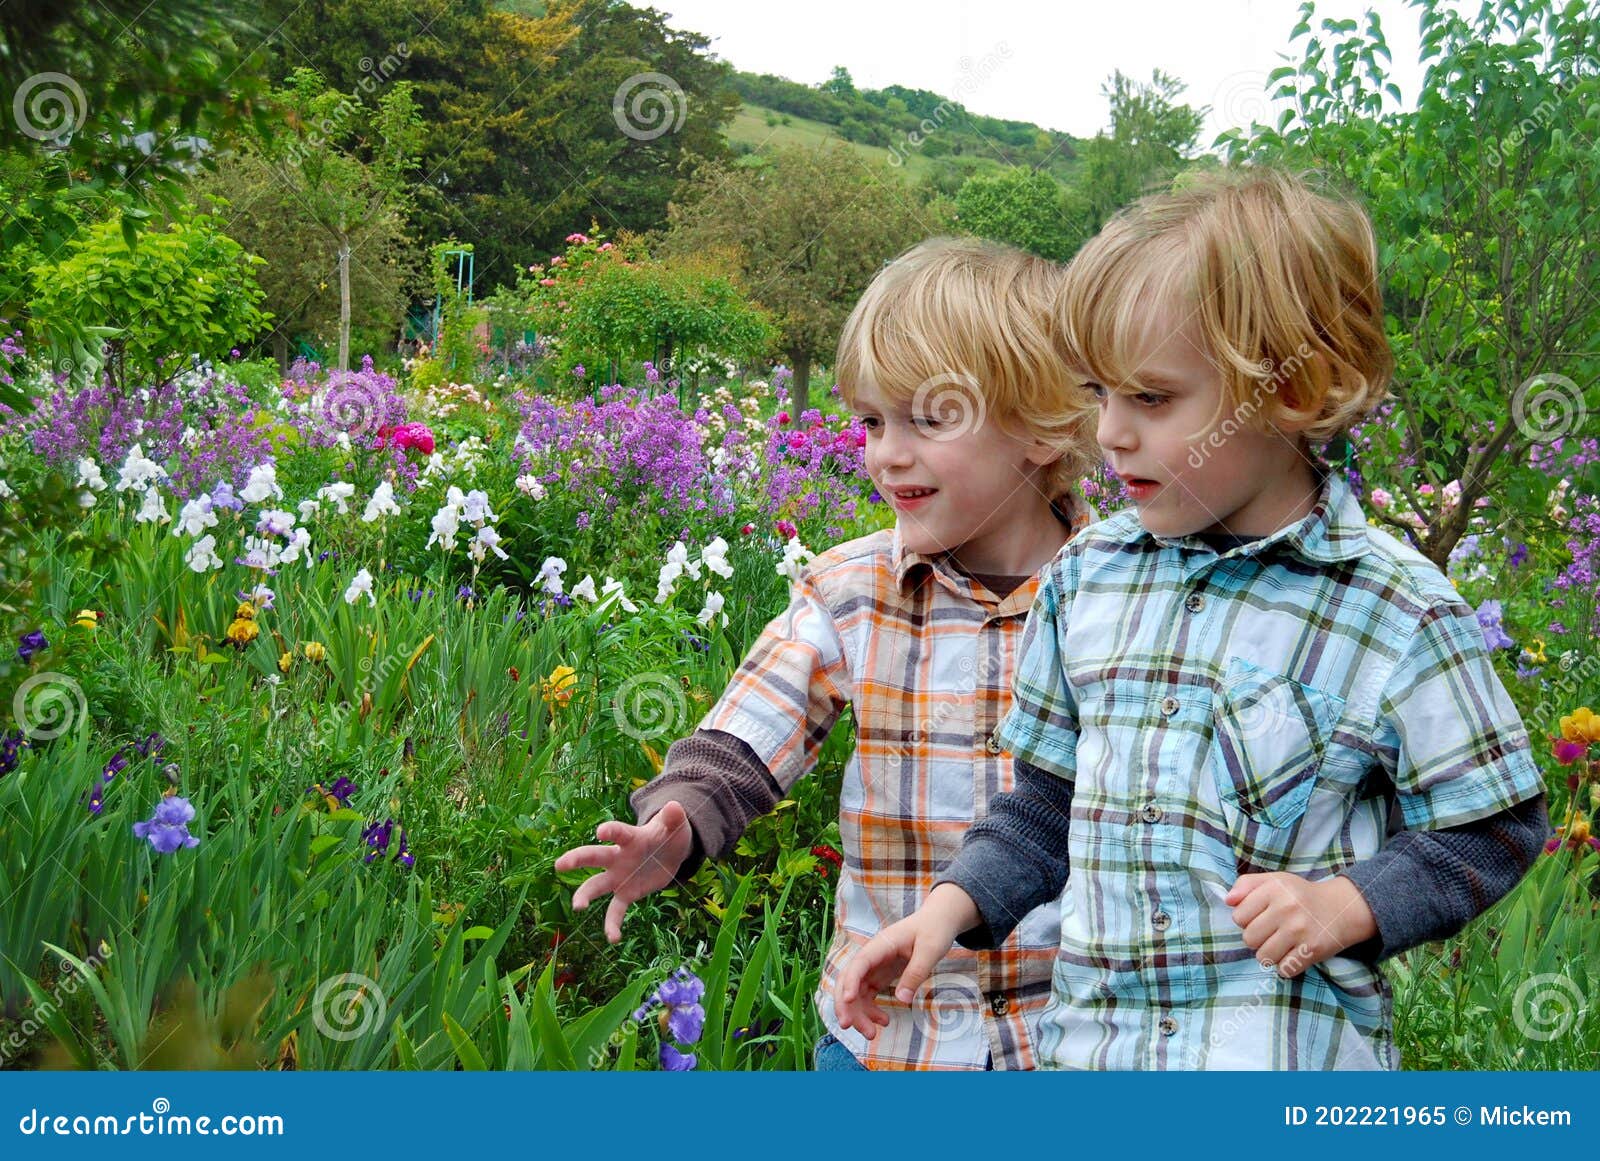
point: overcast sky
(1030, 60)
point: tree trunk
(800, 385)
(344, 302)
(280, 350)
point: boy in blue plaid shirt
(1258, 742)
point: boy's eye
(1095, 389)
(1151, 399)
(870, 422)
(927, 422)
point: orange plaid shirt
(923, 656)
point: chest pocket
(1271, 734)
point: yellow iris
(285, 661)
(314, 651)
(88, 619)
(559, 685)
(242, 632)
(1581, 725)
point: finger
(592, 888)
(1297, 960)
(612, 831)
(1242, 886)
(593, 856)
(614, 914)
(1254, 905)
(672, 816)
(1261, 929)
(1279, 953)
(924, 958)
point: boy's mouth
(1140, 487)
(910, 497)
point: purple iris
(1490, 615)
(680, 994)
(674, 1061)
(168, 828)
(379, 835)
(31, 643)
(10, 743)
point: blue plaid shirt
(1253, 710)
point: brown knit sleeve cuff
(722, 786)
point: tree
(1483, 200)
(1023, 207)
(1152, 137)
(810, 228)
(346, 164)
(124, 97)
(188, 290)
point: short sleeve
(1042, 726)
(1447, 732)
(791, 688)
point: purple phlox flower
(1518, 557)
(31, 643)
(168, 828)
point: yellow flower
(285, 660)
(1536, 655)
(559, 685)
(242, 632)
(1581, 725)
(245, 612)
(88, 619)
(314, 651)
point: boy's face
(983, 501)
(1192, 461)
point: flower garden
(326, 668)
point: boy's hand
(644, 859)
(906, 952)
(1292, 923)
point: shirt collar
(1336, 529)
(909, 566)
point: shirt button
(998, 1004)
(1151, 812)
(1168, 1025)
(1161, 921)
(992, 744)
(1169, 705)
(1194, 602)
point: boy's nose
(1114, 431)
(893, 447)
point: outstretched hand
(636, 861)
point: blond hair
(963, 311)
(1278, 280)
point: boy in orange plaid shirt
(977, 438)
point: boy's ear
(1042, 453)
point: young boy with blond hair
(1258, 742)
(977, 438)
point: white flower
(89, 475)
(5, 491)
(678, 555)
(475, 508)
(259, 552)
(342, 441)
(713, 610)
(202, 554)
(153, 510)
(338, 493)
(667, 580)
(795, 558)
(261, 597)
(550, 573)
(263, 482)
(381, 504)
(530, 486)
(275, 522)
(360, 587)
(585, 589)
(309, 509)
(487, 540)
(715, 558)
(446, 523)
(195, 517)
(299, 541)
(614, 587)
(138, 471)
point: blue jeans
(832, 1056)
